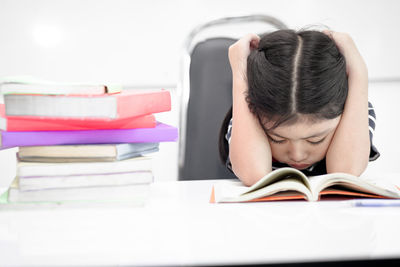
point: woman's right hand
(238, 53)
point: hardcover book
(25, 123)
(87, 180)
(161, 133)
(137, 193)
(57, 89)
(34, 85)
(85, 153)
(129, 103)
(35, 169)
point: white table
(179, 227)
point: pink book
(129, 103)
(22, 124)
(161, 133)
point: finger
(251, 37)
(253, 40)
(329, 33)
(254, 44)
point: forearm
(249, 150)
(349, 149)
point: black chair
(205, 93)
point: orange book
(292, 184)
(127, 104)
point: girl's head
(296, 76)
(297, 89)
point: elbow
(354, 163)
(249, 176)
(355, 168)
(349, 170)
(248, 179)
(250, 163)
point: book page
(319, 183)
(234, 191)
(280, 174)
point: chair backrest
(205, 92)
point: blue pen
(376, 203)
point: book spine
(161, 133)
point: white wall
(139, 42)
(385, 98)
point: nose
(297, 152)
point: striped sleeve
(229, 132)
(228, 163)
(374, 153)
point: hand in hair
(349, 149)
(238, 53)
(249, 150)
(346, 45)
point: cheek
(278, 150)
(319, 152)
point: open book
(290, 183)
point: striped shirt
(318, 168)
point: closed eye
(316, 142)
(276, 141)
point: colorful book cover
(161, 133)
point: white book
(75, 181)
(52, 88)
(85, 153)
(127, 104)
(36, 169)
(129, 193)
(60, 106)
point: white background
(138, 43)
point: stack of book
(82, 142)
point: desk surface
(179, 227)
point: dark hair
(293, 74)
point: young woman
(300, 99)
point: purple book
(161, 133)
